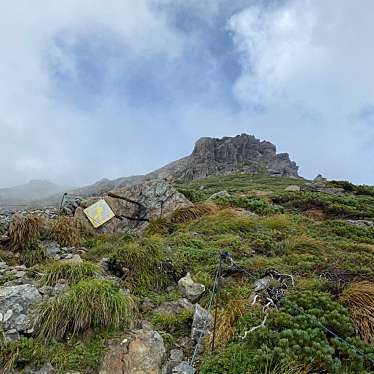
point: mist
(92, 90)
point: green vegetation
(68, 271)
(292, 336)
(88, 304)
(173, 323)
(306, 234)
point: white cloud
(309, 63)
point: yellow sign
(99, 213)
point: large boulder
(16, 303)
(135, 205)
(141, 352)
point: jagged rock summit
(242, 153)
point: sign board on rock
(99, 213)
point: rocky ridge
(242, 153)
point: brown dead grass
(193, 212)
(226, 319)
(316, 214)
(359, 298)
(24, 231)
(65, 231)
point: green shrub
(71, 272)
(350, 187)
(332, 205)
(88, 304)
(193, 195)
(290, 336)
(254, 204)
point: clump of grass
(172, 322)
(24, 231)
(160, 226)
(299, 244)
(65, 231)
(224, 221)
(35, 255)
(193, 212)
(71, 272)
(359, 298)
(227, 317)
(88, 304)
(139, 264)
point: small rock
(176, 355)
(184, 368)
(147, 305)
(319, 179)
(262, 283)
(223, 193)
(74, 259)
(191, 290)
(19, 274)
(292, 188)
(174, 307)
(11, 335)
(360, 223)
(46, 369)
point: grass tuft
(359, 298)
(191, 213)
(24, 231)
(71, 272)
(88, 304)
(65, 232)
(227, 317)
(139, 264)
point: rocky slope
(242, 153)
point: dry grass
(227, 317)
(24, 231)
(193, 212)
(65, 231)
(359, 298)
(316, 214)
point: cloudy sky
(93, 88)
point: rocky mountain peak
(242, 153)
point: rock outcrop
(15, 306)
(243, 153)
(135, 205)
